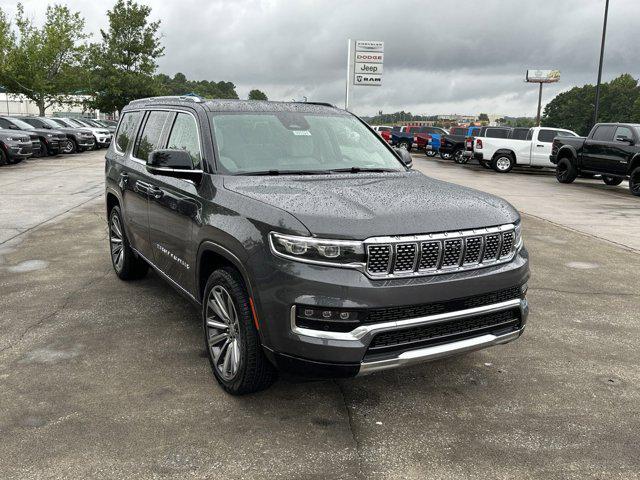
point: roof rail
(323, 104)
(184, 98)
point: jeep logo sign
(375, 68)
(368, 57)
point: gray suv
(307, 243)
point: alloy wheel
(68, 147)
(223, 332)
(115, 241)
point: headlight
(15, 139)
(339, 253)
(49, 135)
(518, 232)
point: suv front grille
(443, 332)
(439, 253)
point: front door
(175, 208)
(596, 150)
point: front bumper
(86, 143)
(281, 284)
(103, 141)
(19, 150)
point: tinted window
(184, 136)
(6, 124)
(475, 131)
(127, 130)
(149, 139)
(547, 136)
(519, 134)
(624, 132)
(604, 133)
(384, 129)
(496, 133)
(458, 131)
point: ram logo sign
(375, 80)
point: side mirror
(173, 163)
(624, 139)
(405, 156)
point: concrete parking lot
(105, 379)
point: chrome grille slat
(417, 255)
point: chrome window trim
(364, 333)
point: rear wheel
(126, 263)
(445, 155)
(611, 180)
(566, 172)
(457, 156)
(430, 153)
(503, 163)
(44, 152)
(405, 146)
(231, 338)
(634, 182)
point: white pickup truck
(502, 154)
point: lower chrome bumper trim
(439, 351)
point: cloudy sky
(440, 56)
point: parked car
(502, 154)
(402, 137)
(384, 131)
(306, 242)
(78, 140)
(611, 150)
(102, 136)
(100, 124)
(476, 140)
(428, 139)
(45, 142)
(452, 145)
(35, 141)
(15, 146)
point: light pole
(604, 34)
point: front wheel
(457, 156)
(405, 146)
(566, 172)
(231, 338)
(44, 151)
(611, 180)
(430, 153)
(503, 163)
(634, 182)
(445, 155)
(70, 147)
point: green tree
(257, 95)
(573, 109)
(43, 63)
(124, 63)
(180, 85)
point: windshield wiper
(363, 169)
(286, 172)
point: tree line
(53, 63)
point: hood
(43, 132)
(358, 206)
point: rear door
(596, 150)
(175, 207)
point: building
(15, 104)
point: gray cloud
(440, 57)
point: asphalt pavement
(105, 379)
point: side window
(475, 132)
(6, 124)
(547, 136)
(184, 136)
(149, 139)
(497, 133)
(604, 133)
(623, 132)
(126, 130)
(519, 134)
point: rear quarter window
(126, 130)
(496, 133)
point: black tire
(566, 172)
(71, 147)
(431, 153)
(457, 156)
(129, 266)
(44, 152)
(634, 182)
(254, 372)
(445, 156)
(405, 146)
(611, 180)
(503, 162)
(3, 157)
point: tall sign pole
(541, 76)
(364, 66)
(604, 34)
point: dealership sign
(543, 76)
(368, 57)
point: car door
(620, 152)
(175, 208)
(541, 147)
(595, 153)
(135, 179)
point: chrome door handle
(142, 187)
(155, 192)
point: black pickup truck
(611, 150)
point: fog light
(344, 315)
(524, 288)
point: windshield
(289, 142)
(20, 124)
(70, 122)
